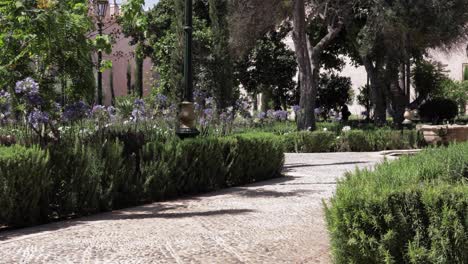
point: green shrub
(253, 157)
(208, 164)
(75, 179)
(414, 210)
(24, 185)
(438, 110)
(310, 142)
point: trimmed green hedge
(24, 181)
(354, 140)
(78, 179)
(414, 210)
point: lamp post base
(184, 133)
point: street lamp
(101, 8)
(187, 109)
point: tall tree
(221, 63)
(393, 34)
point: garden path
(277, 221)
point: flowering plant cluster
(5, 105)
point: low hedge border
(67, 180)
(354, 140)
(414, 210)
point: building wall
(454, 61)
(122, 56)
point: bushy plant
(310, 142)
(413, 210)
(24, 185)
(75, 179)
(438, 110)
(208, 164)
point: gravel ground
(278, 221)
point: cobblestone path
(278, 221)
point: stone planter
(444, 134)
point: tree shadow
(262, 193)
(153, 211)
(291, 167)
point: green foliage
(47, 42)
(75, 179)
(333, 92)
(438, 110)
(121, 169)
(208, 164)
(270, 68)
(456, 91)
(428, 77)
(24, 185)
(165, 37)
(413, 210)
(310, 142)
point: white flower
(346, 129)
(325, 129)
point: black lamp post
(101, 6)
(187, 110)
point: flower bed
(414, 210)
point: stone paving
(278, 221)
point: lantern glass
(102, 8)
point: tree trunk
(306, 116)
(377, 91)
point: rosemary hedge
(80, 178)
(414, 210)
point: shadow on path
(291, 167)
(152, 211)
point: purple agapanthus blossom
(161, 100)
(5, 104)
(270, 114)
(76, 111)
(112, 111)
(139, 111)
(97, 109)
(225, 117)
(209, 101)
(281, 115)
(34, 99)
(27, 85)
(37, 117)
(208, 112)
(261, 115)
(296, 108)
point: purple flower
(208, 112)
(270, 114)
(161, 100)
(139, 103)
(27, 85)
(209, 101)
(261, 115)
(296, 108)
(111, 111)
(281, 115)
(76, 111)
(34, 99)
(139, 111)
(5, 104)
(37, 117)
(97, 109)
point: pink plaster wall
(121, 57)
